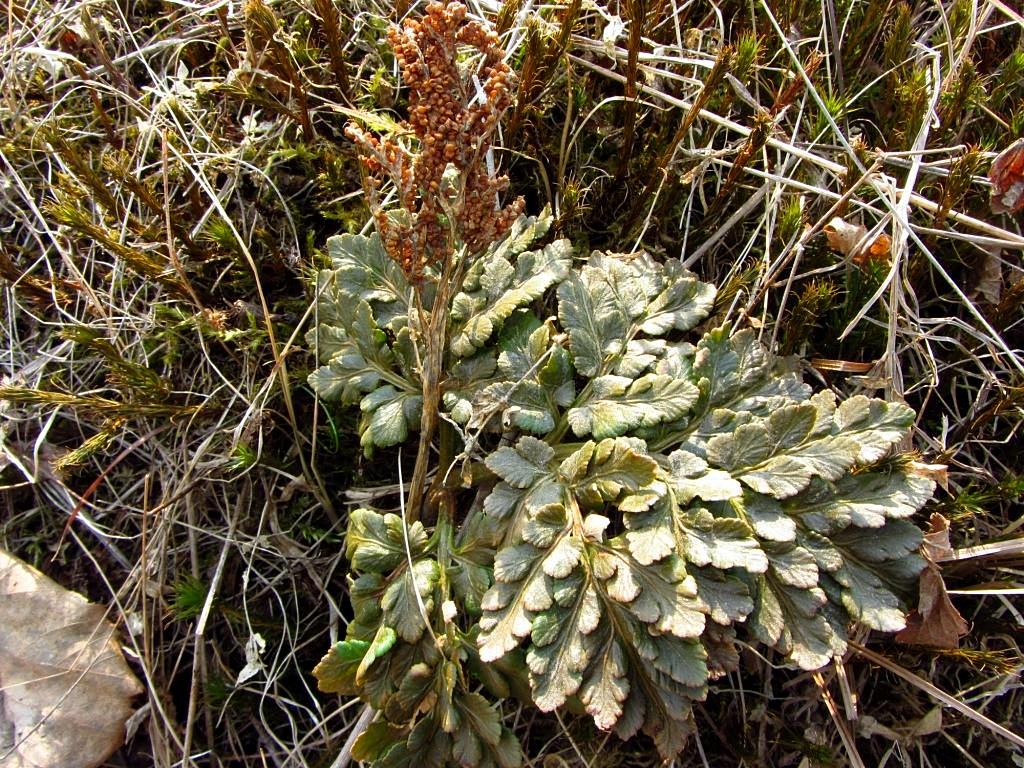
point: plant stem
(435, 342)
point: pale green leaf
(481, 717)
(875, 425)
(378, 543)
(388, 416)
(522, 465)
(563, 557)
(791, 564)
(792, 620)
(520, 589)
(365, 271)
(779, 455)
(402, 610)
(604, 471)
(538, 380)
(681, 303)
(731, 365)
(382, 642)
(336, 672)
(661, 596)
(651, 534)
(618, 405)
(468, 377)
(692, 478)
(866, 499)
(725, 599)
(724, 542)
(895, 540)
(641, 355)
(360, 359)
(556, 669)
(606, 686)
(589, 310)
(685, 661)
(493, 289)
(469, 581)
(522, 234)
(376, 740)
(768, 518)
(869, 600)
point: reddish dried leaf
(1007, 177)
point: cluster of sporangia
(454, 117)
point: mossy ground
(172, 171)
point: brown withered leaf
(935, 621)
(936, 546)
(65, 689)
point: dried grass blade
(938, 694)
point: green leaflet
(360, 365)
(615, 297)
(379, 543)
(342, 669)
(780, 454)
(468, 377)
(476, 740)
(618, 405)
(524, 232)
(691, 478)
(402, 610)
(608, 471)
(536, 379)
(523, 465)
(388, 415)
(739, 374)
(613, 470)
(790, 619)
(676, 300)
(866, 500)
(363, 271)
(494, 289)
(722, 542)
(359, 358)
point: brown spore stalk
(453, 114)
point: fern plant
(613, 508)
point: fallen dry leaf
(851, 240)
(936, 621)
(65, 689)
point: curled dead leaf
(1007, 177)
(935, 472)
(936, 546)
(841, 366)
(935, 621)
